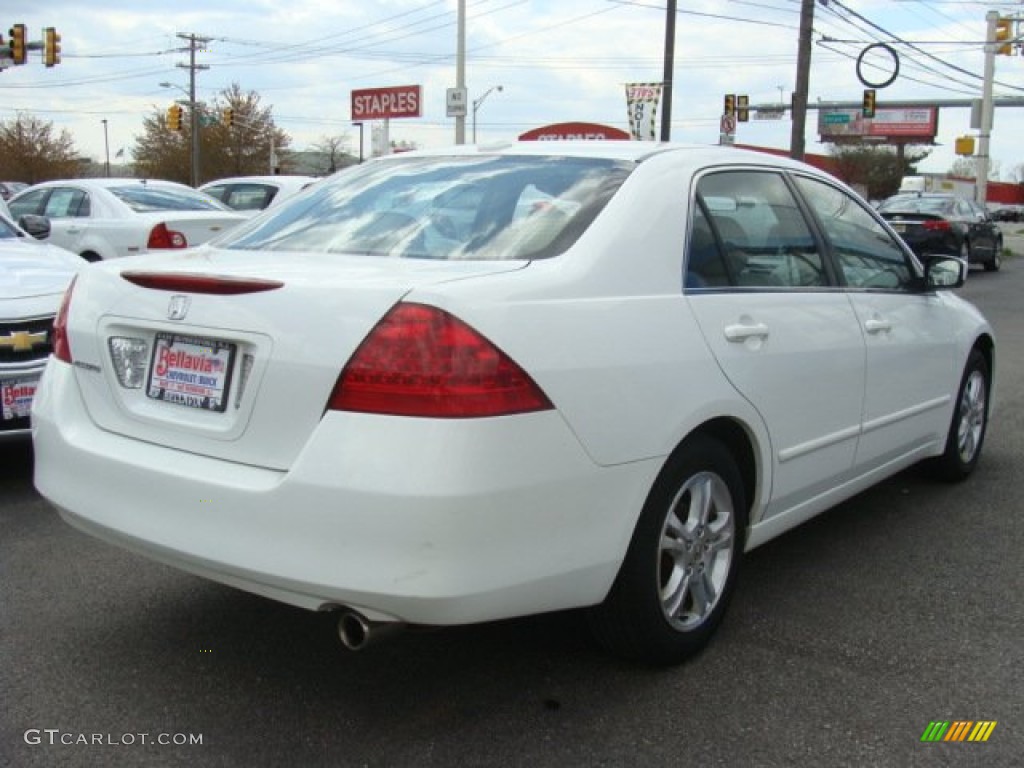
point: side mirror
(944, 273)
(37, 226)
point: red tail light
(938, 225)
(421, 361)
(162, 237)
(61, 347)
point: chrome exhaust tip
(356, 631)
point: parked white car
(33, 278)
(252, 194)
(111, 218)
(632, 363)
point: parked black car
(936, 223)
(1008, 213)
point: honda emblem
(178, 307)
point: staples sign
(385, 103)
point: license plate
(899, 228)
(191, 371)
(16, 395)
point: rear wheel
(679, 572)
(970, 421)
(993, 264)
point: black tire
(969, 425)
(965, 252)
(993, 264)
(680, 569)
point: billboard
(386, 103)
(919, 124)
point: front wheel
(970, 422)
(680, 569)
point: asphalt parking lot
(847, 638)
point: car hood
(29, 269)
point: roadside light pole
(106, 146)
(478, 102)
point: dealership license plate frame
(203, 396)
(11, 412)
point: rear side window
(65, 203)
(485, 208)
(759, 229)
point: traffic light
(228, 117)
(1004, 37)
(742, 109)
(868, 108)
(51, 47)
(730, 104)
(18, 51)
(174, 117)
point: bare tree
(31, 150)
(334, 150)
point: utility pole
(666, 78)
(797, 142)
(460, 72)
(987, 110)
(194, 42)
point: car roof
(279, 180)
(106, 183)
(630, 151)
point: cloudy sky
(556, 60)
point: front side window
(867, 254)
(482, 208)
(28, 203)
(761, 232)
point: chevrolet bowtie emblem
(23, 341)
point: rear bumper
(423, 521)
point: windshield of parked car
(488, 208)
(141, 199)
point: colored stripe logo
(958, 730)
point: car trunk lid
(176, 355)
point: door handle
(742, 331)
(877, 325)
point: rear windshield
(917, 204)
(142, 199)
(489, 208)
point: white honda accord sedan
(455, 386)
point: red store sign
(386, 103)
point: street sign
(770, 114)
(455, 99)
(835, 118)
(728, 125)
